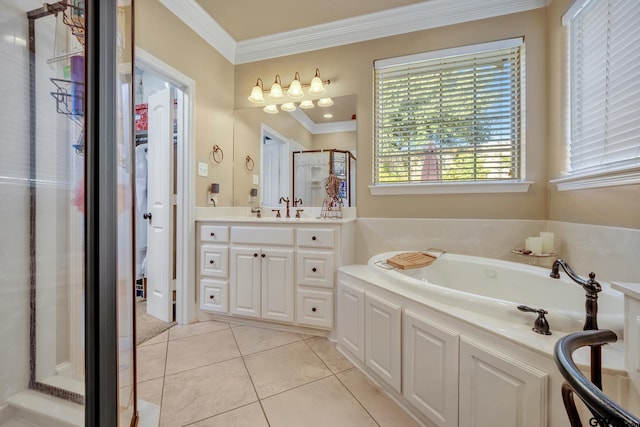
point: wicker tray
(408, 260)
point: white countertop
(243, 215)
(627, 288)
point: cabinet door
(277, 285)
(351, 319)
(383, 339)
(496, 390)
(430, 368)
(244, 282)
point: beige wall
(339, 140)
(350, 70)
(163, 35)
(612, 206)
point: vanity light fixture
(294, 92)
(288, 106)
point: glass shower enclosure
(46, 332)
(312, 167)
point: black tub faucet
(591, 287)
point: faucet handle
(298, 212)
(277, 212)
(541, 325)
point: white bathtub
(495, 288)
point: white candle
(527, 244)
(535, 245)
(548, 246)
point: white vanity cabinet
(281, 271)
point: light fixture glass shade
(317, 88)
(276, 89)
(325, 102)
(256, 95)
(295, 90)
(288, 106)
(306, 104)
(271, 109)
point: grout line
(357, 400)
(213, 416)
(251, 379)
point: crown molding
(318, 128)
(196, 18)
(416, 17)
(401, 20)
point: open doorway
(164, 192)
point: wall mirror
(264, 145)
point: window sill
(598, 179)
(450, 188)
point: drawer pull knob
(213, 234)
(314, 309)
(314, 238)
(263, 255)
(314, 269)
(211, 297)
(210, 261)
(255, 255)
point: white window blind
(604, 85)
(450, 116)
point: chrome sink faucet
(591, 287)
(283, 200)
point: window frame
(611, 174)
(456, 187)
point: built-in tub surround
(470, 344)
(496, 288)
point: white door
(159, 260)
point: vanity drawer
(315, 237)
(214, 295)
(214, 261)
(314, 308)
(214, 233)
(314, 268)
(262, 235)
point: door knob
(146, 215)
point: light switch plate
(203, 169)
(256, 179)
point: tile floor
(213, 374)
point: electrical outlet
(212, 199)
(203, 169)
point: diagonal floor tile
(252, 340)
(385, 411)
(151, 391)
(151, 361)
(200, 350)
(201, 393)
(198, 328)
(282, 368)
(327, 352)
(158, 339)
(247, 416)
(320, 404)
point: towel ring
(248, 163)
(216, 150)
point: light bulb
(295, 88)
(325, 102)
(306, 104)
(288, 106)
(276, 89)
(271, 109)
